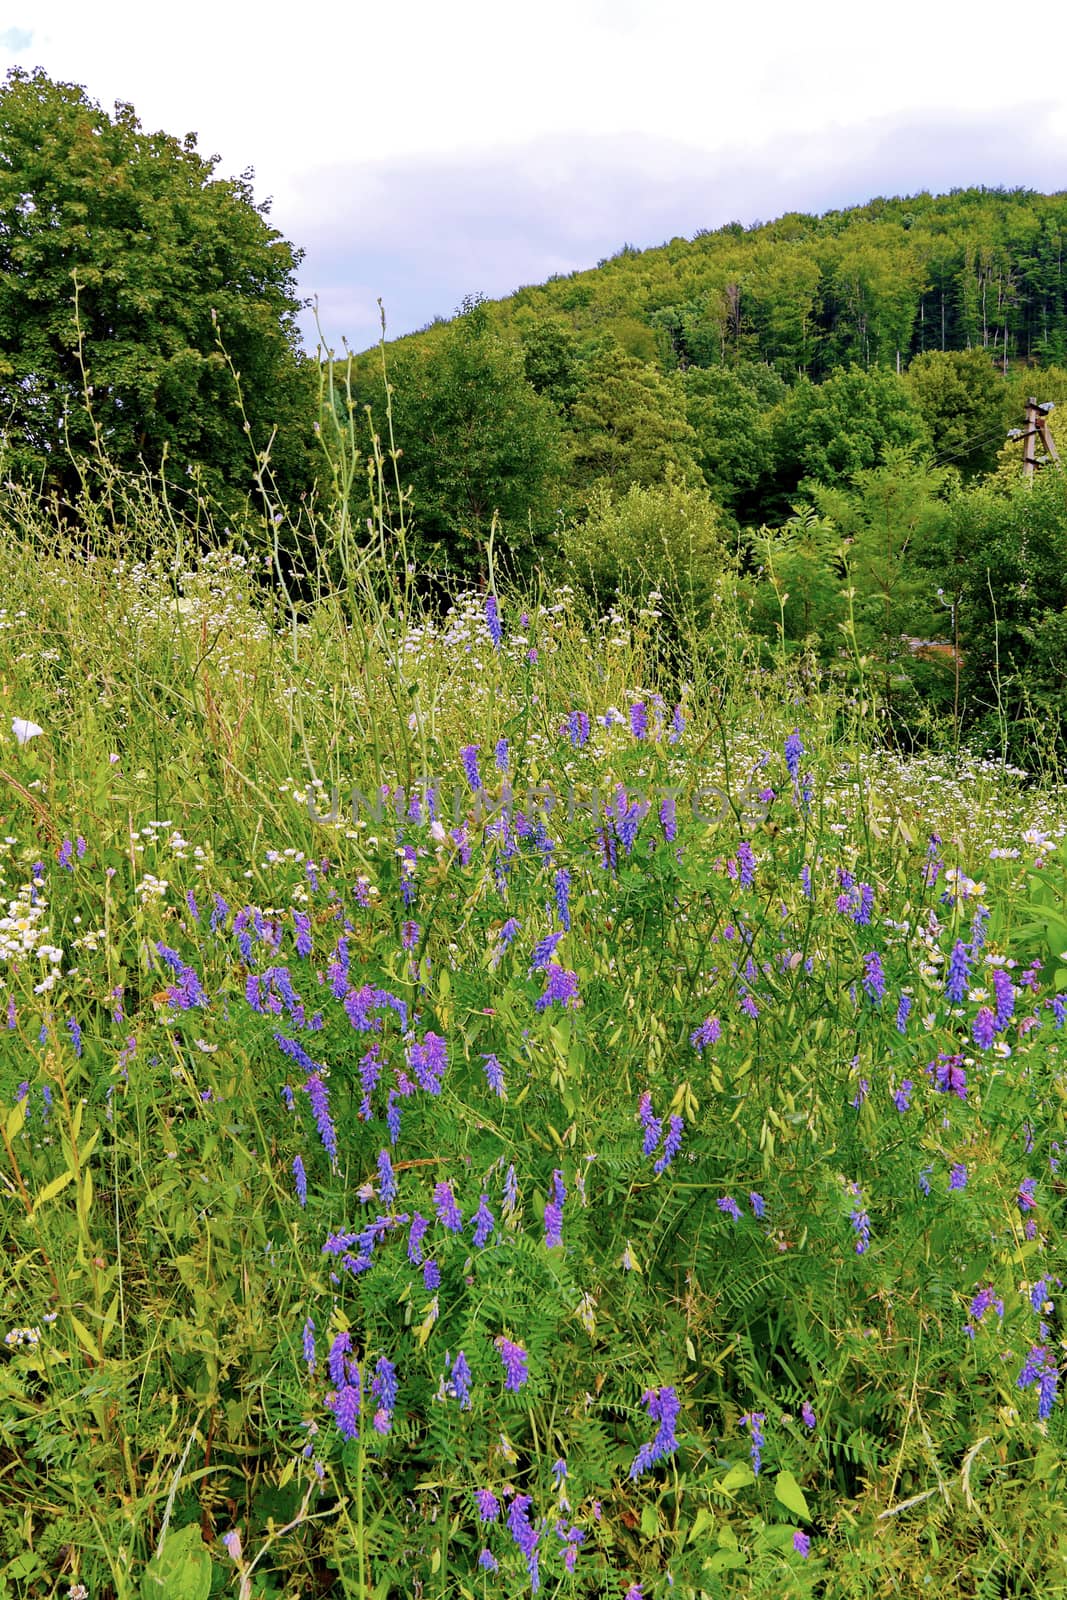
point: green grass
(158, 1261)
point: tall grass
(719, 1051)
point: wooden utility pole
(1037, 414)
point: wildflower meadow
(498, 1100)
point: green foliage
(833, 430)
(1006, 555)
(476, 442)
(886, 518)
(123, 263)
(667, 539)
(796, 589)
(965, 404)
(628, 424)
(876, 285)
(729, 409)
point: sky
(421, 152)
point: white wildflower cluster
(24, 932)
(15, 1338)
(150, 888)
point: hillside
(875, 284)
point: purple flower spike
(514, 1358)
(448, 1212)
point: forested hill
(875, 285)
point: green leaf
(50, 1190)
(649, 1522)
(181, 1570)
(789, 1492)
(739, 1476)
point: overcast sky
(419, 152)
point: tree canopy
(123, 260)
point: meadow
(494, 1105)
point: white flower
(24, 730)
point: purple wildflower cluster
(663, 1407)
(653, 1132)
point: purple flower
(448, 1212)
(708, 1033)
(808, 1415)
(861, 1224)
(1025, 1196)
(302, 928)
(563, 898)
(578, 728)
(410, 933)
(309, 1344)
(416, 1234)
(985, 1028)
(75, 1035)
(428, 1062)
(488, 1562)
(300, 1178)
(345, 1407)
(729, 1205)
(652, 1125)
(492, 620)
(543, 951)
(663, 1407)
(553, 1224)
(494, 1076)
(65, 857)
(431, 1276)
(336, 1361)
(957, 1178)
(1040, 1368)
(677, 726)
(386, 1177)
(384, 1388)
(958, 973)
(982, 1302)
(639, 720)
(861, 914)
(671, 1144)
(318, 1094)
(488, 1505)
(801, 1544)
(561, 988)
(903, 1011)
(514, 1358)
(392, 1116)
(874, 977)
(753, 1421)
(484, 1223)
(746, 864)
(525, 1536)
(758, 1204)
(950, 1077)
(902, 1096)
(469, 754)
(794, 749)
(668, 818)
(1004, 990)
(500, 755)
